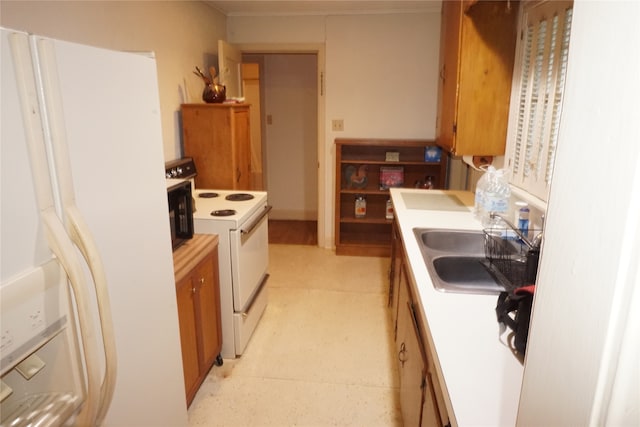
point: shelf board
(382, 250)
(368, 190)
(365, 220)
(364, 161)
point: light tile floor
(321, 355)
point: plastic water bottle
(496, 196)
(481, 188)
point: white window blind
(536, 100)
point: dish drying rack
(511, 257)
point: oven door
(249, 258)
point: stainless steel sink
(455, 241)
(454, 259)
(466, 274)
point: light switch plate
(337, 125)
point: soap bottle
(360, 207)
(522, 218)
(389, 210)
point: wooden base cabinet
(394, 270)
(411, 363)
(198, 297)
(359, 166)
(218, 137)
(421, 397)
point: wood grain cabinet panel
(218, 137)
(188, 333)
(198, 299)
(421, 395)
(477, 51)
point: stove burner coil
(208, 195)
(223, 212)
(239, 197)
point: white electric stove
(240, 219)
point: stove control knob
(179, 171)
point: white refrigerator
(84, 229)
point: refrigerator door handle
(62, 247)
(83, 239)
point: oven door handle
(263, 283)
(254, 224)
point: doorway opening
(291, 107)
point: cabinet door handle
(402, 354)
(193, 289)
(238, 175)
(202, 281)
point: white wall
(182, 34)
(291, 139)
(582, 356)
(382, 74)
(380, 78)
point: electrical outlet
(337, 125)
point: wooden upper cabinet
(477, 50)
(218, 137)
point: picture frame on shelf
(391, 176)
(392, 156)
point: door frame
(323, 176)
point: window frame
(537, 94)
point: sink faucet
(537, 241)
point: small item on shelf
(389, 211)
(432, 153)
(427, 184)
(391, 177)
(356, 176)
(392, 156)
(361, 207)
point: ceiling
(328, 7)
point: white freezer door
(39, 355)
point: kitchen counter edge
(190, 253)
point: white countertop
(480, 375)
